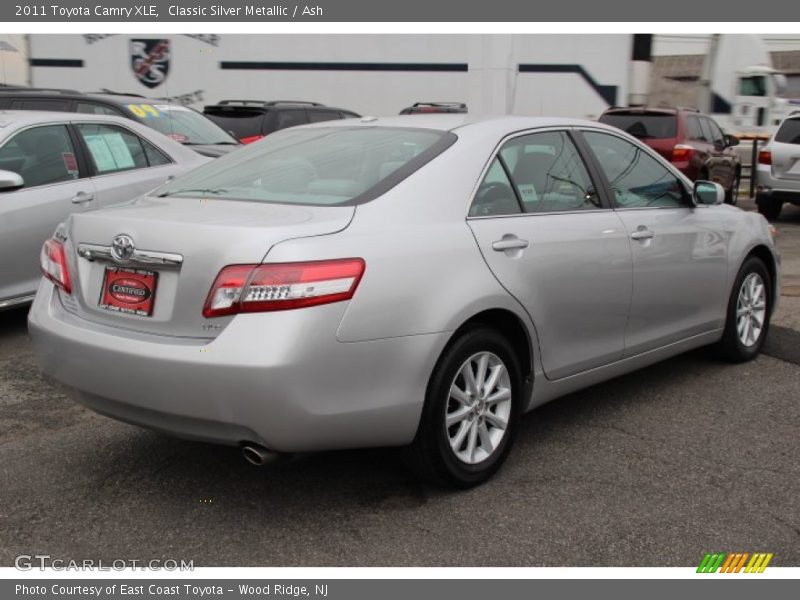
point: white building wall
(492, 83)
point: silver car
(410, 281)
(778, 172)
(54, 164)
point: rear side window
(693, 129)
(112, 148)
(41, 155)
(789, 132)
(643, 125)
(315, 116)
(290, 118)
(319, 166)
(241, 123)
(548, 173)
(92, 108)
(45, 104)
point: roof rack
(299, 102)
(113, 93)
(442, 104)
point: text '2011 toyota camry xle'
(410, 281)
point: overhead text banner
(154, 11)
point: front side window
(753, 86)
(636, 179)
(41, 155)
(321, 166)
(112, 148)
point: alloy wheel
(751, 309)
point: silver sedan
(411, 281)
(54, 164)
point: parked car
(251, 120)
(56, 164)
(778, 171)
(434, 107)
(415, 281)
(691, 141)
(181, 123)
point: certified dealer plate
(130, 291)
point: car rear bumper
(277, 379)
(769, 186)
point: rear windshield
(241, 123)
(643, 125)
(789, 132)
(182, 124)
(320, 166)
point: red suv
(691, 141)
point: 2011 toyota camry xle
(413, 281)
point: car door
(124, 165)
(54, 186)
(722, 161)
(679, 251)
(552, 241)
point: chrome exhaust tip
(258, 455)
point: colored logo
(150, 61)
(735, 562)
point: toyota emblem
(122, 247)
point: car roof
(31, 117)
(111, 98)
(462, 122)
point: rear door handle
(82, 198)
(642, 233)
(509, 243)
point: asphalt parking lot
(652, 469)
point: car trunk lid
(198, 237)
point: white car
(53, 164)
(779, 169)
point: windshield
(643, 125)
(319, 166)
(182, 124)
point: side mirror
(708, 193)
(10, 181)
(731, 141)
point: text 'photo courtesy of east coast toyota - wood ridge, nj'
(354, 287)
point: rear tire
(482, 418)
(747, 320)
(769, 207)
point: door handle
(642, 233)
(509, 243)
(82, 198)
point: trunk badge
(122, 247)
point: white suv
(778, 174)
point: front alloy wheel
(747, 320)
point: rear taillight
(54, 264)
(281, 286)
(765, 157)
(682, 153)
(250, 139)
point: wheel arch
(513, 328)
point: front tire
(471, 411)
(748, 315)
